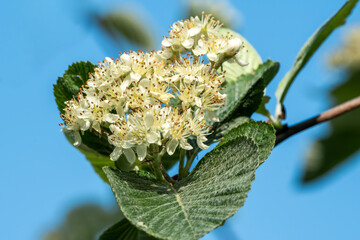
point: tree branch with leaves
(137, 116)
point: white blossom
(146, 101)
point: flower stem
(166, 176)
(157, 166)
(189, 161)
(181, 163)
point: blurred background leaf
(348, 56)
(221, 10)
(123, 25)
(343, 139)
(136, 27)
(85, 222)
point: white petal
(188, 79)
(194, 31)
(113, 128)
(116, 154)
(83, 113)
(212, 56)
(167, 53)
(175, 78)
(213, 117)
(166, 127)
(120, 110)
(201, 87)
(96, 126)
(155, 94)
(202, 43)
(188, 43)
(84, 125)
(199, 51)
(109, 60)
(145, 83)
(125, 84)
(110, 117)
(233, 47)
(135, 76)
(153, 137)
(171, 146)
(165, 98)
(126, 59)
(77, 139)
(241, 62)
(113, 140)
(125, 68)
(127, 144)
(198, 102)
(149, 120)
(185, 145)
(166, 42)
(130, 155)
(141, 151)
(189, 113)
(199, 140)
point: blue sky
(42, 176)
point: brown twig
(287, 132)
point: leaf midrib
(178, 199)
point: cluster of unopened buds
(164, 98)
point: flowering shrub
(137, 116)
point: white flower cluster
(200, 37)
(143, 99)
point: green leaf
(263, 134)
(310, 47)
(343, 139)
(225, 128)
(126, 24)
(234, 70)
(69, 85)
(244, 97)
(203, 200)
(244, 94)
(124, 230)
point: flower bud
(233, 47)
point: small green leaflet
(124, 230)
(70, 83)
(309, 48)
